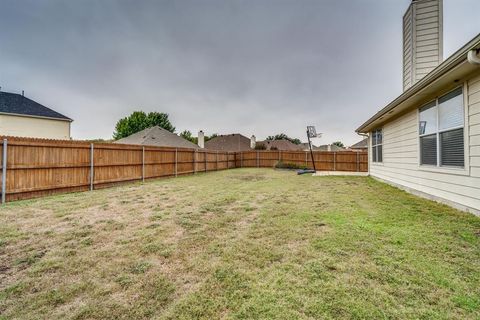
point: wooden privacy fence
(37, 167)
(324, 160)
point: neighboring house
(306, 147)
(329, 147)
(231, 142)
(159, 137)
(23, 117)
(323, 147)
(281, 144)
(360, 145)
(427, 140)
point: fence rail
(36, 167)
(324, 160)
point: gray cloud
(254, 67)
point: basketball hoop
(312, 133)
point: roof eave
(35, 116)
(452, 62)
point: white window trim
(381, 144)
(370, 152)
(465, 170)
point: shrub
(260, 147)
(288, 165)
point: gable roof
(17, 104)
(159, 137)
(444, 75)
(332, 147)
(229, 142)
(306, 147)
(360, 144)
(280, 144)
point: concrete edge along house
(427, 140)
(23, 117)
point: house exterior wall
(401, 160)
(422, 40)
(21, 126)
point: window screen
(450, 110)
(452, 153)
(428, 119)
(377, 151)
(428, 148)
(441, 131)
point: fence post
(143, 164)
(4, 170)
(91, 167)
(241, 159)
(176, 162)
(194, 161)
(279, 155)
(258, 160)
(306, 159)
(334, 161)
(205, 159)
(216, 162)
(358, 163)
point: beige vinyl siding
(474, 124)
(401, 157)
(422, 40)
(23, 126)
(407, 48)
(427, 39)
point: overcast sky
(225, 66)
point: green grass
(239, 244)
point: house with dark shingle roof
(159, 137)
(360, 145)
(280, 144)
(230, 142)
(23, 117)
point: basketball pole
(311, 151)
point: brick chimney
(253, 142)
(422, 40)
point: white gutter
(472, 57)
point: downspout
(472, 57)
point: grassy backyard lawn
(239, 244)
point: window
(377, 140)
(441, 131)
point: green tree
(283, 136)
(139, 121)
(187, 135)
(338, 144)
